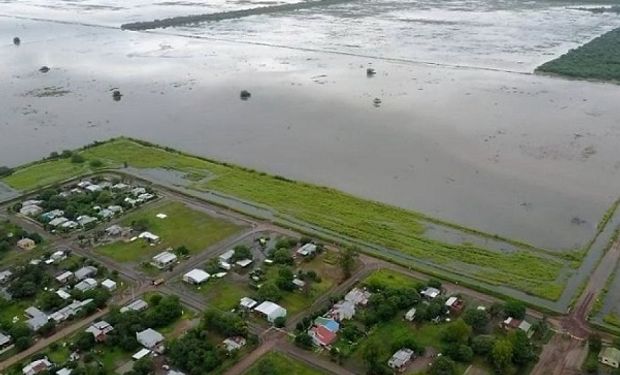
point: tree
(303, 340)
(591, 365)
(522, 351)
(96, 163)
(279, 321)
(241, 252)
(456, 332)
(595, 343)
(143, 366)
(5, 171)
(282, 256)
(501, 355)
(77, 159)
(514, 309)
(85, 341)
(483, 344)
(181, 251)
(346, 260)
(285, 279)
(269, 291)
(477, 319)
(443, 366)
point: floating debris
(377, 102)
(245, 95)
(44, 69)
(370, 72)
(116, 95)
(17, 41)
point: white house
(234, 343)
(64, 277)
(227, 256)
(196, 276)
(401, 358)
(31, 210)
(149, 237)
(164, 260)
(307, 249)
(110, 285)
(431, 292)
(37, 367)
(410, 315)
(63, 294)
(86, 285)
(137, 305)
(357, 296)
(149, 338)
(248, 303)
(84, 272)
(271, 310)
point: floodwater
(474, 140)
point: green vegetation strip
(372, 222)
(275, 363)
(597, 59)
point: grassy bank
(526, 269)
(598, 59)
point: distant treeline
(184, 20)
(597, 59)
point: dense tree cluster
(11, 233)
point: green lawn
(224, 293)
(525, 269)
(391, 279)
(183, 226)
(278, 364)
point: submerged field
(599, 59)
(524, 268)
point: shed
(150, 237)
(141, 354)
(164, 260)
(63, 294)
(401, 358)
(410, 315)
(248, 303)
(307, 249)
(109, 284)
(271, 310)
(86, 285)
(227, 256)
(149, 338)
(244, 262)
(137, 305)
(196, 276)
(431, 292)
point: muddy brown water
(524, 156)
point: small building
(114, 231)
(271, 311)
(120, 186)
(141, 354)
(149, 237)
(410, 315)
(164, 260)
(37, 367)
(53, 214)
(455, 304)
(150, 338)
(63, 294)
(510, 323)
(431, 293)
(299, 283)
(86, 285)
(64, 277)
(68, 311)
(527, 328)
(58, 256)
(100, 330)
(196, 276)
(115, 209)
(357, 296)
(93, 188)
(328, 323)
(243, 263)
(307, 249)
(322, 336)
(31, 210)
(137, 305)
(5, 342)
(58, 221)
(84, 220)
(37, 318)
(234, 343)
(400, 359)
(26, 244)
(137, 191)
(227, 256)
(84, 272)
(247, 303)
(609, 356)
(343, 310)
(145, 197)
(110, 285)
(69, 225)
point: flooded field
(524, 156)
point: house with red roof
(322, 336)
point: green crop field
(278, 364)
(532, 270)
(194, 229)
(597, 59)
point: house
(84, 184)
(227, 256)
(247, 303)
(328, 323)
(400, 359)
(30, 210)
(343, 310)
(64, 277)
(114, 230)
(105, 214)
(5, 342)
(137, 191)
(5, 276)
(234, 343)
(164, 260)
(84, 272)
(527, 328)
(455, 304)
(357, 296)
(131, 201)
(271, 311)
(100, 330)
(58, 256)
(307, 249)
(141, 354)
(37, 367)
(86, 285)
(37, 318)
(69, 225)
(430, 292)
(196, 276)
(150, 338)
(84, 220)
(145, 197)
(69, 311)
(115, 209)
(94, 188)
(149, 237)
(63, 294)
(410, 315)
(610, 356)
(322, 336)
(243, 263)
(110, 285)
(120, 186)
(26, 244)
(58, 221)
(510, 323)
(53, 214)
(137, 305)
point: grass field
(391, 279)
(597, 59)
(526, 269)
(183, 226)
(279, 364)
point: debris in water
(245, 95)
(370, 72)
(116, 95)
(16, 41)
(377, 102)
(44, 69)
